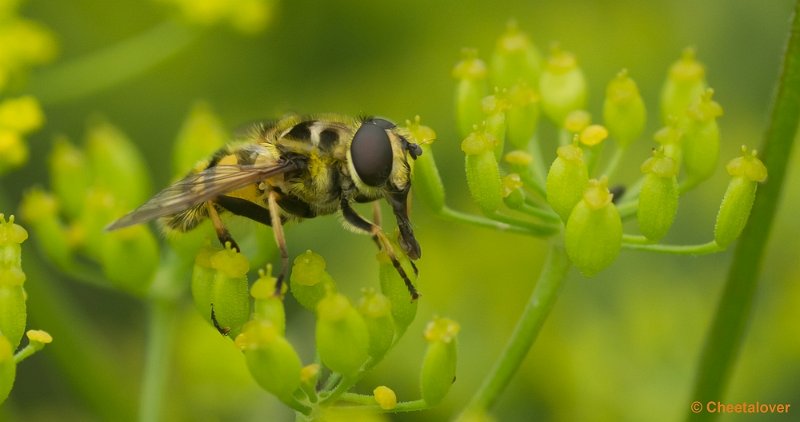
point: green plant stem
(406, 406)
(160, 327)
(613, 163)
(534, 228)
(333, 379)
(539, 168)
(458, 216)
(297, 405)
(536, 211)
(345, 384)
(727, 331)
(25, 353)
(165, 290)
(530, 323)
(701, 249)
(110, 66)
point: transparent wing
(200, 187)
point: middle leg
(351, 216)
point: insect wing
(200, 187)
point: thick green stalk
(165, 291)
(111, 66)
(735, 307)
(530, 323)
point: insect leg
(222, 330)
(376, 217)
(352, 217)
(277, 230)
(376, 213)
(244, 208)
(223, 234)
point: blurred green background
(620, 346)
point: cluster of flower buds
(351, 337)
(520, 192)
(25, 44)
(86, 194)
(13, 312)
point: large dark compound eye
(371, 152)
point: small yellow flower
(593, 135)
(385, 397)
(39, 336)
(22, 115)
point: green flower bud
(439, 364)
(403, 308)
(266, 305)
(200, 136)
(309, 281)
(566, 180)
(483, 174)
(13, 313)
(746, 172)
(513, 195)
(624, 112)
(522, 117)
(70, 176)
(13, 150)
(230, 296)
(470, 91)
(577, 120)
(11, 236)
(562, 86)
(219, 285)
(120, 246)
(427, 182)
(515, 59)
(670, 138)
(309, 375)
(494, 108)
(116, 162)
(519, 162)
(658, 199)
(203, 281)
(342, 335)
(8, 369)
(272, 360)
(377, 312)
(100, 209)
(40, 210)
(21, 115)
(385, 397)
(701, 140)
(593, 234)
(685, 82)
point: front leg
(359, 222)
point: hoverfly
(292, 169)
